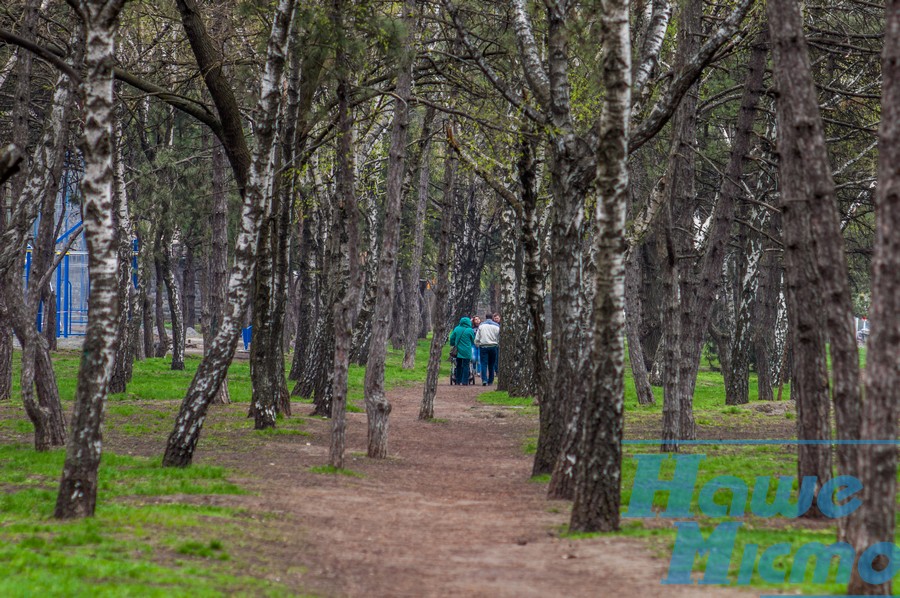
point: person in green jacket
(463, 338)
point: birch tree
(255, 183)
(78, 487)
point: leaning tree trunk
(378, 408)
(441, 288)
(38, 191)
(44, 411)
(874, 522)
(78, 487)
(212, 369)
(362, 333)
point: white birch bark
(212, 369)
(78, 488)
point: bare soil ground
(451, 513)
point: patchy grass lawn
(144, 540)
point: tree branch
(41, 52)
(664, 108)
(485, 175)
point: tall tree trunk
(766, 313)
(212, 369)
(270, 393)
(217, 264)
(413, 317)
(805, 179)
(633, 317)
(874, 522)
(378, 408)
(173, 293)
(308, 315)
(78, 487)
(598, 465)
(162, 345)
(692, 287)
(345, 241)
(534, 281)
(189, 292)
(123, 354)
(441, 287)
(679, 372)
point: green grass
(154, 380)
(394, 374)
(498, 397)
(331, 470)
(135, 545)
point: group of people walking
(476, 341)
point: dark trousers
(462, 370)
(489, 359)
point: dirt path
(451, 513)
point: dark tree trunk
(254, 180)
(633, 319)
(345, 244)
(875, 520)
(468, 256)
(441, 288)
(805, 180)
(190, 287)
(766, 314)
(144, 278)
(49, 330)
(378, 408)
(217, 264)
(412, 319)
(692, 287)
(173, 293)
(6, 353)
(679, 371)
(362, 333)
(162, 345)
(308, 315)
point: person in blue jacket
(463, 338)
(476, 354)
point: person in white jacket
(487, 339)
